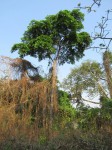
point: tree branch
(90, 101)
(90, 8)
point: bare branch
(90, 8)
(102, 33)
(90, 101)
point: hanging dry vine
(27, 94)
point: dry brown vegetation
(28, 114)
(25, 103)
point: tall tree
(59, 38)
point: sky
(15, 16)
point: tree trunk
(54, 86)
(107, 67)
(53, 103)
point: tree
(88, 78)
(102, 40)
(59, 38)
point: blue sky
(15, 15)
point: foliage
(95, 119)
(66, 110)
(57, 37)
(80, 141)
(86, 78)
(106, 109)
(64, 101)
(86, 118)
(68, 141)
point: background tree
(102, 40)
(88, 78)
